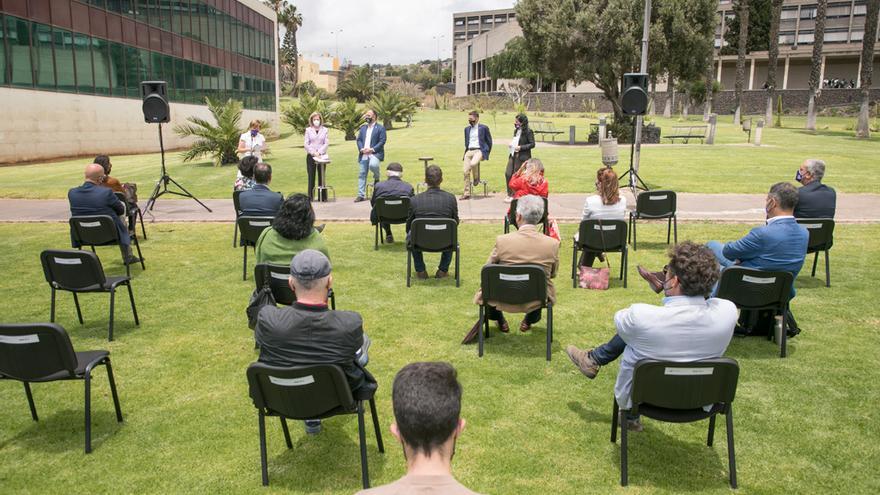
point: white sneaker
(508, 199)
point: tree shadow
(64, 431)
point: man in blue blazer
(371, 151)
(477, 146)
(93, 199)
(260, 201)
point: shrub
(297, 113)
(311, 89)
(360, 84)
(219, 141)
(391, 106)
(346, 117)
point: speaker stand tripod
(162, 184)
(634, 182)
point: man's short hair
(262, 173)
(530, 208)
(695, 266)
(785, 194)
(815, 167)
(433, 176)
(475, 113)
(427, 403)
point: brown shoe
(583, 361)
(634, 425)
(503, 327)
(472, 334)
(464, 197)
(524, 326)
(654, 281)
(441, 274)
(422, 275)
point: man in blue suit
(477, 146)
(260, 201)
(371, 151)
(94, 199)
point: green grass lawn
(730, 166)
(804, 424)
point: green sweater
(273, 248)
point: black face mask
(472, 122)
(368, 119)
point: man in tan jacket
(528, 245)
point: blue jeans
(717, 249)
(367, 163)
(608, 351)
(419, 261)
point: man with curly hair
(687, 327)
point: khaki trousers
(471, 163)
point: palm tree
(742, 43)
(219, 141)
(773, 60)
(291, 20)
(816, 69)
(863, 130)
(360, 85)
(709, 81)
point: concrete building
(70, 70)
(324, 72)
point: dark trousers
(312, 169)
(608, 351)
(531, 318)
(513, 164)
(588, 257)
(419, 260)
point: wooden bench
(687, 132)
(543, 127)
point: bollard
(571, 134)
(713, 121)
(602, 127)
(758, 131)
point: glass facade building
(217, 48)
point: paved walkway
(749, 208)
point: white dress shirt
(595, 209)
(250, 142)
(474, 138)
(515, 141)
(368, 135)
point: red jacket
(522, 187)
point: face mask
(254, 132)
(368, 119)
(472, 122)
(516, 125)
(665, 288)
(316, 123)
(798, 177)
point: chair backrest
(236, 203)
(688, 385)
(94, 230)
(513, 284)
(658, 204)
(277, 276)
(251, 228)
(755, 289)
(392, 209)
(72, 269)
(121, 197)
(35, 351)
(300, 392)
(433, 234)
(602, 235)
(821, 232)
(511, 213)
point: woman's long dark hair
(296, 217)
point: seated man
(260, 201)
(433, 203)
(815, 200)
(688, 327)
(427, 405)
(394, 187)
(308, 332)
(528, 245)
(92, 199)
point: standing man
(815, 200)
(477, 145)
(433, 203)
(371, 151)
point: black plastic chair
(79, 272)
(755, 290)
(677, 393)
(432, 235)
(100, 230)
(821, 239)
(510, 218)
(513, 284)
(277, 277)
(655, 205)
(236, 205)
(606, 236)
(250, 228)
(133, 215)
(307, 392)
(42, 352)
(392, 210)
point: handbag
(262, 296)
(595, 278)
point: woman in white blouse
(607, 204)
(252, 143)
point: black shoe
(359, 199)
(389, 239)
(320, 228)
(132, 260)
(792, 332)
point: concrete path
(748, 208)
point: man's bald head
(94, 173)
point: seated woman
(608, 204)
(529, 179)
(245, 179)
(111, 182)
(291, 232)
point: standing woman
(252, 143)
(520, 150)
(316, 143)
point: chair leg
(457, 275)
(815, 260)
(133, 308)
(286, 432)
(264, 468)
(30, 398)
(635, 241)
(143, 228)
(675, 228)
(624, 471)
(408, 266)
(574, 255)
(480, 336)
(783, 340)
(549, 329)
(668, 229)
(88, 410)
(124, 261)
(362, 435)
(827, 271)
(731, 455)
(112, 302)
(376, 427)
(244, 263)
(376, 238)
(52, 307)
(711, 437)
(140, 256)
(615, 414)
(235, 235)
(113, 390)
(630, 227)
(78, 310)
(332, 300)
(624, 265)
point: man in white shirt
(688, 327)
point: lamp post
(438, 38)
(369, 49)
(336, 32)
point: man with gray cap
(394, 187)
(309, 332)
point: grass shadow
(531, 344)
(63, 431)
(757, 347)
(808, 282)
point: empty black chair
(236, 205)
(821, 239)
(510, 218)
(133, 215)
(42, 352)
(680, 393)
(80, 271)
(432, 235)
(277, 277)
(100, 230)
(654, 205)
(755, 290)
(307, 392)
(391, 210)
(606, 236)
(251, 228)
(514, 284)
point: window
(788, 14)
(64, 66)
(3, 79)
(835, 36)
(860, 9)
(857, 35)
(101, 61)
(459, 22)
(805, 37)
(786, 37)
(808, 12)
(116, 69)
(18, 37)
(85, 78)
(44, 63)
(837, 10)
(473, 22)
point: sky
(382, 31)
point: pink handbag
(594, 278)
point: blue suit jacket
(92, 199)
(260, 201)
(815, 200)
(377, 141)
(483, 136)
(777, 246)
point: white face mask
(316, 123)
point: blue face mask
(254, 132)
(798, 177)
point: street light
(438, 38)
(336, 32)
(369, 49)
